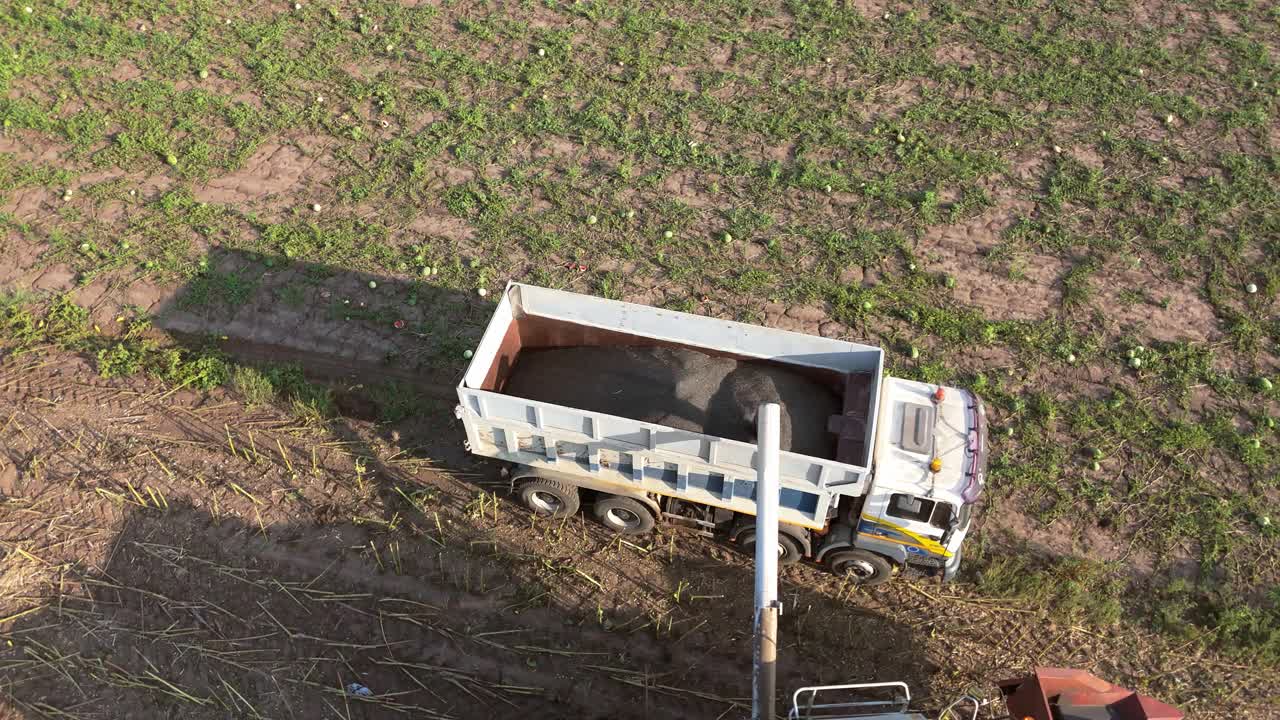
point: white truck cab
(930, 470)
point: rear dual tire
(789, 552)
(624, 515)
(554, 499)
(549, 498)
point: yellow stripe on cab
(921, 541)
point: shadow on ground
(335, 322)
(189, 615)
(444, 599)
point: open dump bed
(651, 456)
(680, 388)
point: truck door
(915, 523)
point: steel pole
(768, 426)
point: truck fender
(891, 550)
(524, 472)
(842, 537)
(839, 537)
(800, 536)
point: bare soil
(273, 170)
(171, 554)
(181, 554)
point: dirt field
(241, 250)
(179, 554)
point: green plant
(120, 360)
(1074, 588)
(212, 289)
(255, 387)
(395, 401)
(309, 400)
(202, 369)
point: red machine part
(1064, 694)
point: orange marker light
(939, 395)
(935, 465)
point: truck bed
(680, 388)
(545, 417)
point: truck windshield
(910, 507)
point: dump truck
(1048, 693)
(646, 415)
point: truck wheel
(624, 515)
(549, 498)
(861, 566)
(789, 552)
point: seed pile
(682, 389)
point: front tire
(789, 552)
(862, 567)
(624, 515)
(549, 498)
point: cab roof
(915, 427)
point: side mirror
(952, 526)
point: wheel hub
(860, 568)
(545, 502)
(750, 543)
(623, 518)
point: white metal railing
(805, 705)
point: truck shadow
(274, 621)
(336, 323)
(183, 614)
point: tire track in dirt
(52, 391)
(274, 170)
